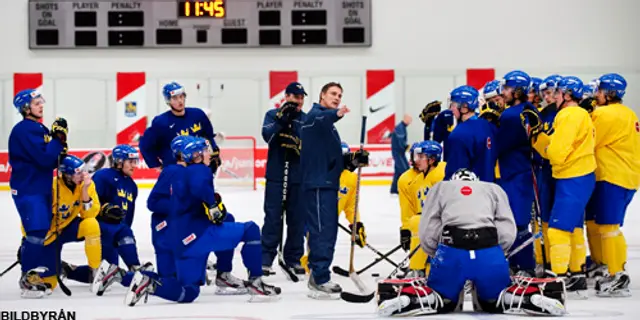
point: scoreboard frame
(157, 24)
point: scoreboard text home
(69, 24)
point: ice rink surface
(379, 212)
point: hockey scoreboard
(65, 24)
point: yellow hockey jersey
(570, 149)
(406, 195)
(71, 207)
(434, 176)
(617, 146)
(347, 194)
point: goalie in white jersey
(468, 227)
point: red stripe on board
(131, 134)
(278, 81)
(128, 82)
(477, 78)
(378, 80)
(381, 133)
(23, 81)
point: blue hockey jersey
(321, 156)
(33, 155)
(470, 146)
(271, 127)
(514, 149)
(116, 188)
(155, 144)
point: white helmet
(464, 175)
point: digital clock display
(202, 9)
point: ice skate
(260, 291)
(141, 286)
(326, 291)
(267, 271)
(614, 286)
(415, 274)
(576, 285)
(227, 284)
(106, 275)
(595, 272)
(32, 285)
(294, 272)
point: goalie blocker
(412, 297)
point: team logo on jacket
(488, 142)
(466, 191)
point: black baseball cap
(295, 88)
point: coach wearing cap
(281, 130)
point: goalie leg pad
(410, 297)
(534, 296)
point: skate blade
(615, 294)
(259, 298)
(28, 294)
(231, 291)
(323, 296)
(577, 295)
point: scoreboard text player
(69, 24)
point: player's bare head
(331, 95)
(549, 95)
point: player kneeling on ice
(467, 226)
(196, 227)
(159, 202)
(75, 207)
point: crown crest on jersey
(196, 127)
(184, 132)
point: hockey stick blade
(63, 286)
(357, 298)
(358, 282)
(339, 271)
(287, 271)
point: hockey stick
(345, 273)
(352, 271)
(63, 287)
(358, 298)
(383, 256)
(285, 185)
(9, 268)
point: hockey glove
(405, 239)
(110, 213)
(361, 236)
(531, 122)
(59, 129)
(360, 158)
(287, 112)
(218, 212)
(430, 111)
(491, 111)
(215, 159)
(588, 104)
(290, 141)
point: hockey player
(347, 196)
(534, 93)
(468, 226)
(427, 170)
(281, 131)
(117, 192)
(470, 144)
(159, 203)
(398, 149)
(196, 228)
(34, 153)
(514, 155)
(179, 120)
(570, 150)
(321, 166)
(617, 152)
(588, 101)
(443, 125)
(75, 207)
(428, 114)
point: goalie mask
(464, 175)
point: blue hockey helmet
(124, 152)
(430, 148)
(589, 89)
(550, 82)
(571, 85)
(535, 85)
(517, 80)
(612, 83)
(171, 90)
(465, 96)
(491, 89)
(193, 147)
(71, 165)
(177, 143)
(23, 99)
(345, 148)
